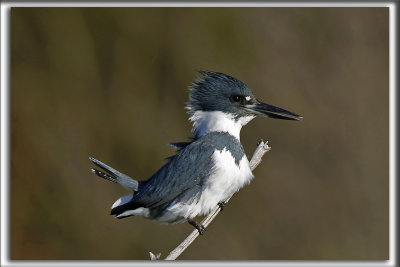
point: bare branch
(261, 149)
(154, 257)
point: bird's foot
(198, 226)
(221, 205)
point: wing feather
(189, 168)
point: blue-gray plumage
(206, 171)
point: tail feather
(113, 175)
(103, 175)
(126, 207)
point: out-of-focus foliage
(111, 83)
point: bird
(206, 170)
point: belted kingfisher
(205, 171)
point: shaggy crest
(212, 92)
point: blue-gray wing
(189, 169)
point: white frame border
(5, 131)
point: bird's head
(220, 92)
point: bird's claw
(198, 226)
(221, 205)
(201, 229)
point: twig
(261, 149)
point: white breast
(226, 179)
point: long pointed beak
(260, 108)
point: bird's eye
(236, 98)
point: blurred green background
(111, 83)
